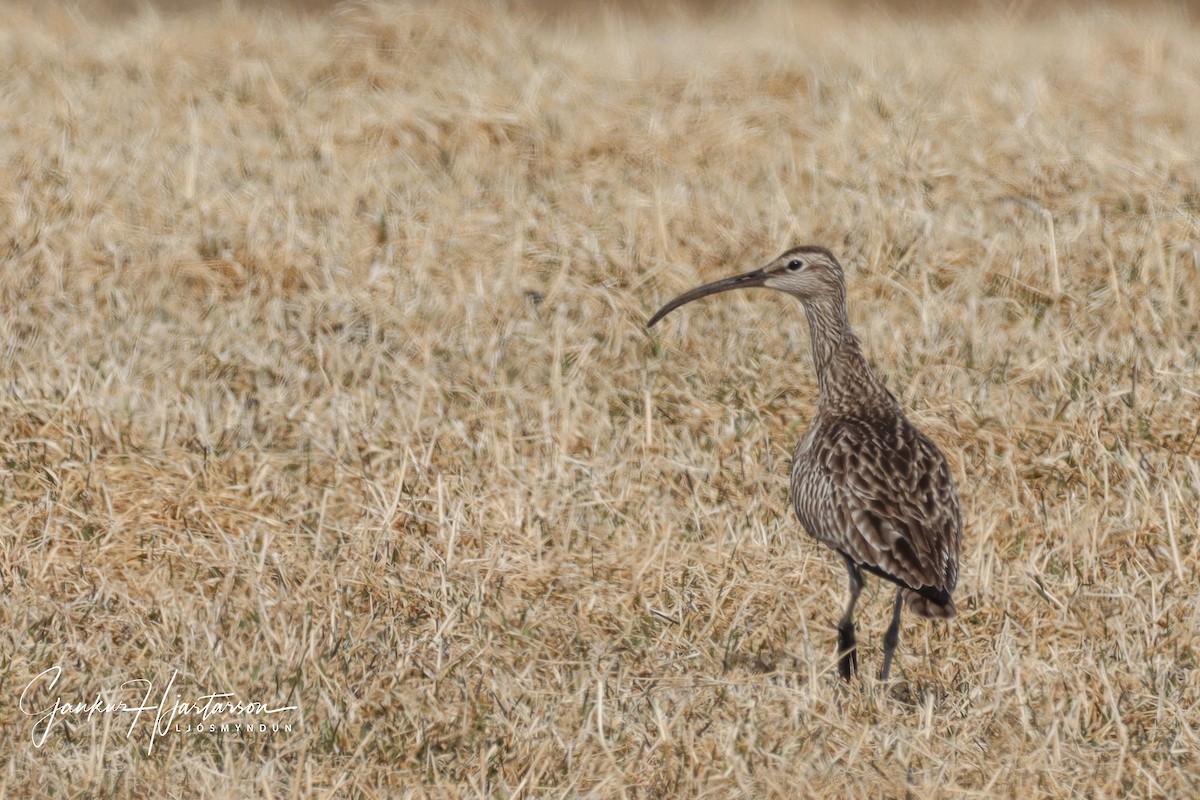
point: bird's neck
(842, 373)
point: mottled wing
(889, 501)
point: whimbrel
(865, 482)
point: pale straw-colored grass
(325, 382)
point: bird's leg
(847, 645)
(892, 637)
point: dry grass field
(324, 383)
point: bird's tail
(930, 606)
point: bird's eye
(795, 264)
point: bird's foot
(847, 651)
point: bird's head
(807, 273)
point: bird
(865, 482)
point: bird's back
(868, 484)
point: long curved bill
(756, 278)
